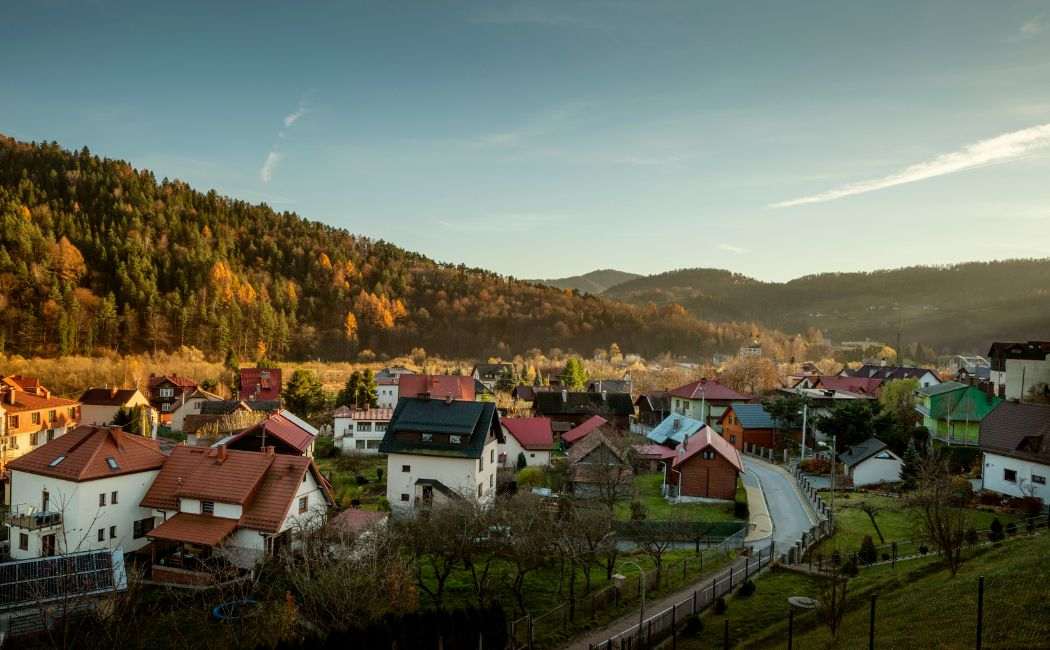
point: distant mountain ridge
(594, 282)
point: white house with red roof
(530, 439)
(237, 505)
(81, 492)
(705, 400)
(360, 430)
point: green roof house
(952, 412)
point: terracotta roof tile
(580, 431)
(702, 440)
(356, 520)
(459, 387)
(279, 427)
(86, 451)
(531, 433)
(107, 396)
(204, 530)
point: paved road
(790, 515)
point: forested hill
(593, 282)
(96, 255)
(962, 307)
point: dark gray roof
(753, 416)
(569, 403)
(655, 401)
(494, 371)
(609, 385)
(441, 417)
(862, 451)
(887, 372)
(1018, 430)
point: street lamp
(641, 613)
(805, 413)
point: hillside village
(526, 498)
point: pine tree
(351, 391)
(368, 392)
(574, 377)
(910, 468)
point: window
(481, 461)
(406, 468)
(491, 478)
(33, 439)
(492, 455)
(304, 504)
(426, 437)
(112, 532)
(113, 497)
(709, 454)
(404, 497)
(360, 444)
(455, 439)
(50, 435)
(207, 507)
(1010, 475)
(73, 412)
(101, 534)
(23, 542)
(374, 444)
(380, 426)
(364, 426)
(732, 439)
(101, 499)
(1038, 480)
(481, 489)
(52, 415)
(35, 417)
(167, 392)
(141, 527)
(14, 421)
(112, 462)
(56, 461)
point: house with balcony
(952, 412)
(30, 416)
(220, 510)
(439, 450)
(81, 492)
(165, 393)
(190, 403)
(569, 409)
(705, 400)
(360, 430)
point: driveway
(791, 517)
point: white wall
(1034, 372)
(387, 396)
(512, 448)
(347, 435)
(219, 509)
(994, 466)
(81, 514)
(877, 470)
(97, 415)
(458, 474)
(189, 407)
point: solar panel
(40, 580)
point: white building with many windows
(81, 492)
(360, 430)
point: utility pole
(834, 452)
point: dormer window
(112, 462)
(207, 507)
(56, 461)
(455, 440)
(427, 437)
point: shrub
(740, 510)
(529, 478)
(867, 553)
(638, 510)
(923, 550)
(360, 480)
(384, 504)
(816, 466)
(747, 589)
(962, 489)
(971, 536)
(720, 606)
(1011, 529)
(522, 462)
(989, 499)
(850, 568)
(355, 503)
(1028, 506)
(995, 533)
(885, 557)
(836, 557)
(379, 474)
(694, 625)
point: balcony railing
(30, 518)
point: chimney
(564, 395)
(11, 395)
(113, 392)
(222, 454)
(605, 396)
(270, 450)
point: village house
(952, 412)
(673, 430)
(924, 376)
(214, 506)
(99, 406)
(260, 384)
(582, 430)
(750, 424)
(624, 385)
(1015, 441)
(705, 400)
(1017, 367)
(190, 403)
(30, 416)
(653, 407)
(870, 463)
(439, 450)
(870, 386)
(360, 430)
(386, 392)
(527, 441)
(457, 387)
(216, 417)
(568, 409)
(81, 492)
(705, 466)
(282, 431)
(494, 376)
(165, 393)
(599, 466)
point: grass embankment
(896, 520)
(647, 490)
(919, 604)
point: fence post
(714, 589)
(674, 628)
(693, 611)
(791, 628)
(685, 567)
(980, 611)
(725, 635)
(871, 624)
(531, 639)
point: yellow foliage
(325, 262)
(222, 280)
(350, 326)
(67, 261)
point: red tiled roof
(355, 520)
(579, 432)
(204, 530)
(531, 433)
(263, 484)
(702, 440)
(86, 450)
(107, 396)
(33, 402)
(182, 382)
(709, 390)
(457, 386)
(280, 427)
(862, 385)
(28, 384)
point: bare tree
(870, 510)
(832, 607)
(433, 538)
(942, 518)
(528, 526)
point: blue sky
(542, 139)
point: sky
(550, 138)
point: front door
(47, 545)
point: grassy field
(647, 490)
(896, 521)
(343, 471)
(919, 604)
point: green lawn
(342, 471)
(896, 521)
(919, 605)
(647, 490)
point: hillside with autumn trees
(97, 256)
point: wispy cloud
(274, 156)
(1000, 149)
(729, 248)
(1030, 29)
(269, 165)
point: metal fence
(667, 622)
